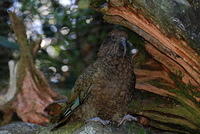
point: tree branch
(19, 30)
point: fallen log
(172, 43)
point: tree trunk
(172, 69)
(29, 92)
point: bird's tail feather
(68, 112)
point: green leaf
(8, 44)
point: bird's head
(116, 44)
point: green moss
(169, 111)
(160, 84)
(187, 91)
(133, 128)
(167, 128)
(172, 18)
(148, 101)
(170, 119)
(67, 129)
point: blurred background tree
(71, 34)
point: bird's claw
(126, 118)
(97, 119)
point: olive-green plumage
(105, 87)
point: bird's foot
(97, 119)
(126, 118)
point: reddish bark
(33, 97)
(172, 63)
(175, 49)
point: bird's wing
(85, 81)
(80, 91)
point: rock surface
(76, 128)
(19, 128)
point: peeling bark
(176, 76)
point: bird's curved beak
(124, 45)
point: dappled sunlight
(65, 2)
(65, 68)
(52, 51)
(45, 42)
(64, 30)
